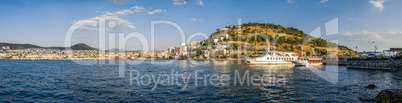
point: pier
(392, 63)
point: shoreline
(125, 59)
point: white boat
(310, 61)
(272, 58)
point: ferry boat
(271, 58)
(308, 61)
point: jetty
(378, 63)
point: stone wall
(375, 63)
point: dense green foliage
(282, 29)
(288, 38)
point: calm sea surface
(67, 81)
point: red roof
(395, 49)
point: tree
(319, 42)
(292, 48)
(223, 56)
(235, 46)
(234, 27)
(281, 40)
(234, 56)
(182, 56)
(308, 53)
(205, 44)
(259, 38)
(288, 40)
(245, 31)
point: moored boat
(272, 58)
(309, 61)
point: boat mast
(255, 44)
(269, 44)
(301, 51)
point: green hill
(281, 38)
(82, 46)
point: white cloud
(179, 2)
(199, 2)
(390, 39)
(124, 12)
(111, 16)
(155, 11)
(137, 8)
(323, 1)
(194, 19)
(87, 28)
(378, 4)
(290, 1)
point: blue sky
(45, 22)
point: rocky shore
(389, 96)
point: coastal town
(193, 50)
(230, 43)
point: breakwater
(375, 63)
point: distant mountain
(115, 49)
(82, 46)
(19, 46)
(79, 46)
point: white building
(5, 47)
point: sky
(46, 22)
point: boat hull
(300, 63)
(254, 62)
(305, 63)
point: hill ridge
(15, 46)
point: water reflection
(296, 84)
